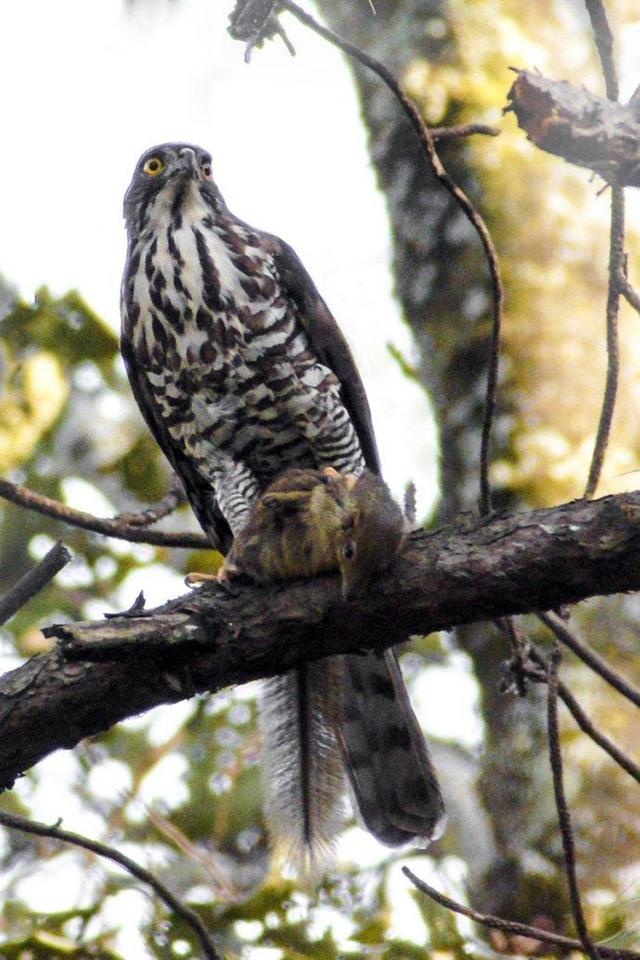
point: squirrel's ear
(285, 503)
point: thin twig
(604, 43)
(630, 294)
(186, 913)
(596, 735)
(592, 660)
(426, 139)
(219, 874)
(171, 500)
(564, 817)
(616, 265)
(540, 674)
(86, 521)
(34, 581)
(462, 130)
(512, 926)
(519, 652)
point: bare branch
(254, 22)
(173, 499)
(34, 581)
(616, 266)
(596, 735)
(110, 528)
(512, 926)
(604, 44)
(581, 718)
(592, 660)
(564, 817)
(582, 128)
(214, 637)
(189, 916)
(631, 296)
(460, 131)
(602, 135)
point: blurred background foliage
(178, 788)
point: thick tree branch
(587, 130)
(480, 570)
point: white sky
(89, 86)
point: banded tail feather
(387, 760)
(302, 767)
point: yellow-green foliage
(40, 344)
(551, 231)
(29, 406)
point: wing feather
(199, 492)
(328, 342)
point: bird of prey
(241, 372)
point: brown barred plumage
(241, 371)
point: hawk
(241, 372)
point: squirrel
(313, 521)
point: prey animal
(312, 521)
(241, 372)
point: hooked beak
(187, 164)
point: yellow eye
(153, 166)
(205, 170)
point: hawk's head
(166, 179)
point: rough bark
(584, 129)
(216, 636)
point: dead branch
(564, 817)
(461, 131)
(478, 570)
(592, 660)
(616, 265)
(584, 129)
(512, 926)
(603, 38)
(631, 296)
(537, 669)
(34, 581)
(189, 916)
(119, 527)
(174, 497)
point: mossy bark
(453, 59)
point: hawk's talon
(196, 578)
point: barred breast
(227, 359)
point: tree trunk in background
(449, 58)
